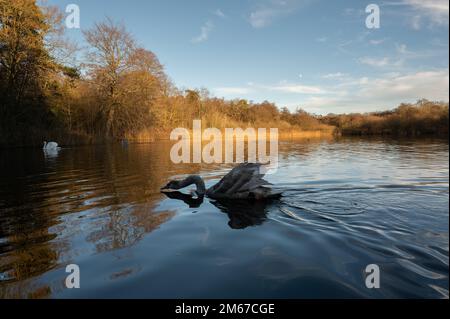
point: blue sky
(314, 54)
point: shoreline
(147, 137)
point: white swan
(50, 146)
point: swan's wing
(242, 179)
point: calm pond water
(348, 203)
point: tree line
(421, 118)
(119, 89)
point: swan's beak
(165, 188)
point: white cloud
(380, 62)
(419, 13)
(334, 75)
(262, 17)
(322, 39)
(416, 22)
(377, 41)
(404, 53)
(437, 10)
(297, 88)
(269, 10)
(219, 13)
(282, 86)
(431, 85)
(440, 6)
(402, 49)
(353, 12)
(361, 94)
(437, 42)
(386, 92)
(204, 32)
(345, 44)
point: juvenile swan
(245, 181)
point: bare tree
(108, 59)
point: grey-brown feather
(244, 181)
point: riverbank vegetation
(421, 118)
(117, 89)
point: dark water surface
(348, 203)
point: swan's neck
(45, 144)
(197, 180)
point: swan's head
(171, 185)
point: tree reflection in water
(92, 200)
(125, 227)
(99, 198)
